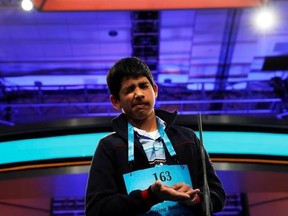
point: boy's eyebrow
(133, 85)
(144, 82)
(128, 87)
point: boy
(149, 165)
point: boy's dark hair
(129, 67)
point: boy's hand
(164, 192)
(179, 192)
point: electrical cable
(206, 190)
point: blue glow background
(83, 145)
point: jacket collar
(119, 124)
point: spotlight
(27, 5)
(265, 19)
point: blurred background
(216, 60)
(226, 60)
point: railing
(29, 103)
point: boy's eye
(143, 86)
(130, 89)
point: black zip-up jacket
(106, 193)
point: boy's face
(136, 98)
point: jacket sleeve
(188, 147)
(105, 194)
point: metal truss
(24, 104)
(6, 3)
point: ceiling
(205, 50)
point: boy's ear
(115, 102)
(155, 88)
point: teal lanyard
(162, 133)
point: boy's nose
(138, 93)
